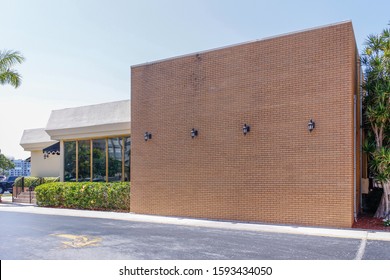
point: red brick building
(277, 172)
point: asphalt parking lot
(34, 233)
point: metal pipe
(361, 131)
(354, 159)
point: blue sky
(79, 52)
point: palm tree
(376, 102)
(8, 75)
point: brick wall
(278, 172)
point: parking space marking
(362, 248)
(78, 241)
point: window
(84, 157)
(127, 159)
(98, 160)
(115, 159)
(70, 161)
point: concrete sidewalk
(7, 205)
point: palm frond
(8, 75)
(9, 58)
(11, 77)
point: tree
(5, 163)
(8, 75)
(376, 105)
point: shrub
(85, 195)
(30, 181)
(49, 179)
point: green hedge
(50, 179)
(85, 195)
(30, 181)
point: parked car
(8, 184)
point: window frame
(123, 150)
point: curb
(226, 225)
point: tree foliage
(376, 105)
(8, 75)
(5, 163)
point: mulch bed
(366, 221)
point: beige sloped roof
(35, 139)
(106, 119)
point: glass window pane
(99, 160)
(84, 160)
(114, 159)
(70, 161)
(127, 158)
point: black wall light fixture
(147, 136)
(245, 129)
(311, 125)
(194, 133)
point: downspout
(354, 159)
(361, 133)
